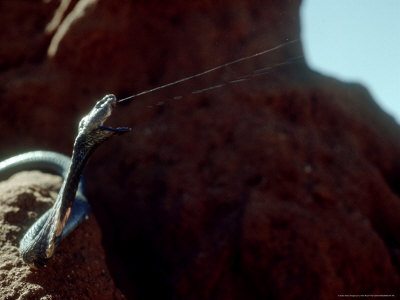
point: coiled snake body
(71, 206)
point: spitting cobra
(71, 206)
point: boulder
(260, 180)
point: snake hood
(41, 239)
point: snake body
(71, 206)
(55, 163)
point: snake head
(98, 115)
(92, 125)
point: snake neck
(80, 156)
(83, 148)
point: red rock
(281, 186)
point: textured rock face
(77, 271)
(281, 185)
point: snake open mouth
(98, 115)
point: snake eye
(100, 103)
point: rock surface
(77, 270)
(282, 185)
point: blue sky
(356, 41)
